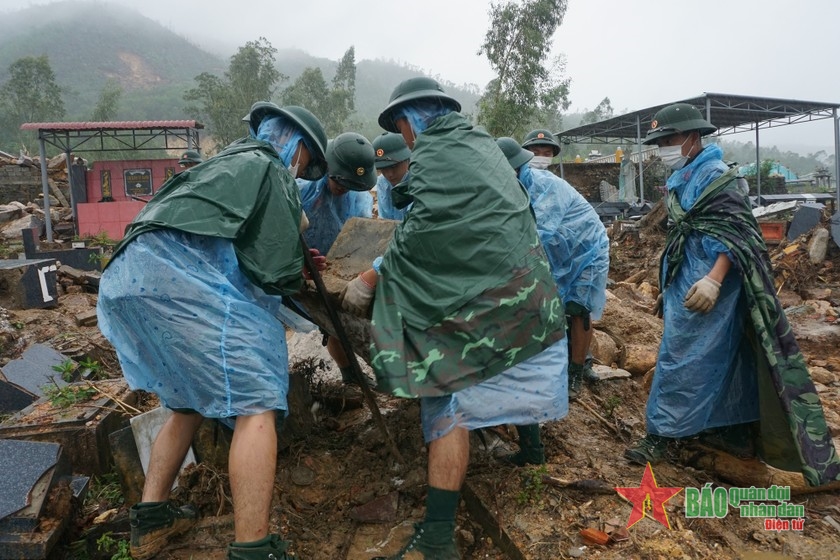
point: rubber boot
(154, 523)
(432, 540)
(270, 547)
(531, 450)
(650, 449)
(575, 380)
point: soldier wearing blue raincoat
(729, 368)
(189, 301)
(392, 156)
(578, 250)
(342, 193)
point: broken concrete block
(28, 283)
(818, 246)
(86, 318)
(605, 373)
(81, 428)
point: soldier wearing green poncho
(466, 314)
(729, 370)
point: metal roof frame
(129, 135)
(730, 113)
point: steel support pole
(641, 157)
(757, 167)
(45, 186)
(836, 154)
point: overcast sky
(636, 52)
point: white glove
(703, 295)
(356, 296)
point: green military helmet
(675, 119)
(390, 149)
(541, 137)
(412, 89)
(190, 156)
(309, 125)
(516, 155)
(350, 160)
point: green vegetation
(222, 101)
(105, 491)
(67, 369)
(533, 486)
(529, 90)
(67, 396)
(120, 548)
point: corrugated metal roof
(730, 113)
(110, 125)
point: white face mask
(672, 156)
(293, 168)
(540, 162)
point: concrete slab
(34, 369)
(14, 398)
(22, 464)
(146, 427)
(806, 218)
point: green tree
(108, 103)
(529, 89)
(31, 94)
(220, 102)
(332, 105)
(601, 112)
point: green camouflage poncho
(465, 290)
(794, 435)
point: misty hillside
(87, 43)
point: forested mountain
(88, 43)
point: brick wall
(19, 183)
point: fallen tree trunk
(746, 472)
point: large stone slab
(22, 464)
(34, 369)
(14, 398)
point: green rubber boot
(154, 523)
(575, 380)
(531, 449)
(432, 540)
(650, 449)
(270, 547)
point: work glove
(320, 263)
(356, 296)
(702, 295)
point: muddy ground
(341, 472)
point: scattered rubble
(340, 494)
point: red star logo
(648, 497)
